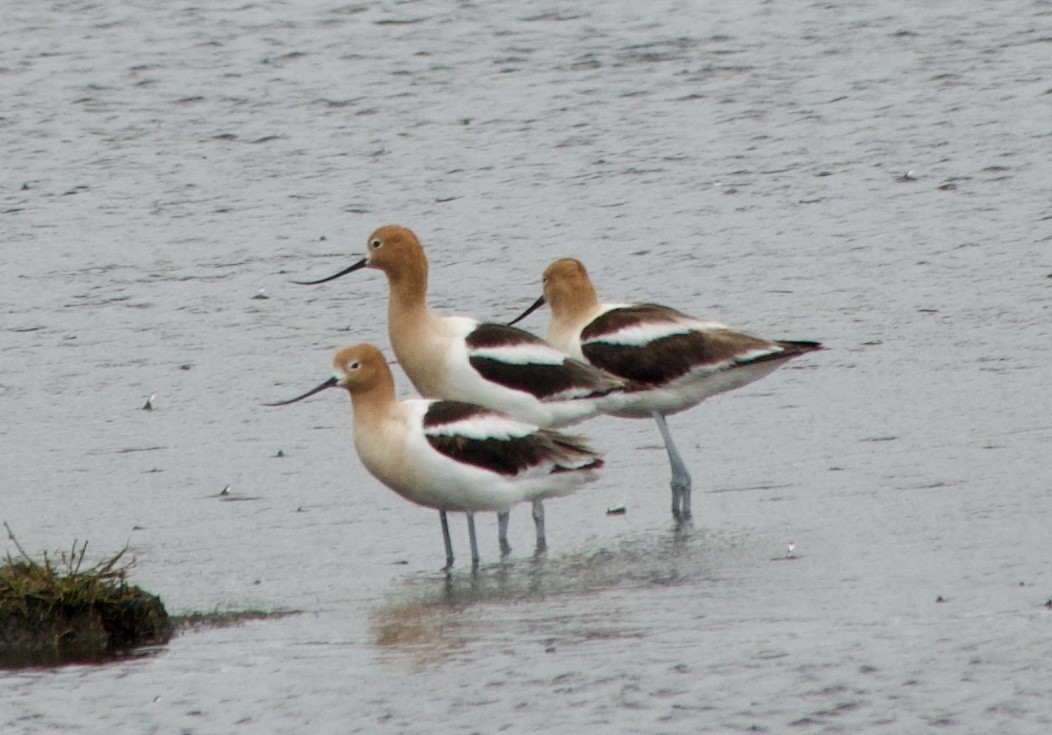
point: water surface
(874, 176)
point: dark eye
(375, 244)
(353, 365)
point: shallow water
(746, 162)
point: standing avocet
(493, 365)
(676, 360)
(449, 455)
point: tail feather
(571, 453)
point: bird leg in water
(681, 483)
(538, 522)
(502, 532)
(473, 540)
(446, 540)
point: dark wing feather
(666, 358)
(503, 455)
(569, 378)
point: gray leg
(502, 532)
(445, 538)
(681, 482)
(538, 523)
(474, 541)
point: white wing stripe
(521, 354)
(641, 334)
(482, 428)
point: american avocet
(677, 360)
(450, 455)
(492, 365)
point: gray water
(872, 175)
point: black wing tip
(790, 349)
(802, 346)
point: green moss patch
(59, 611)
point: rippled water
(873, 175)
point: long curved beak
(536, 305)
(330, 383)
(357, 266)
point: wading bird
(449, 455)
(493, 365)
(675, 361)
